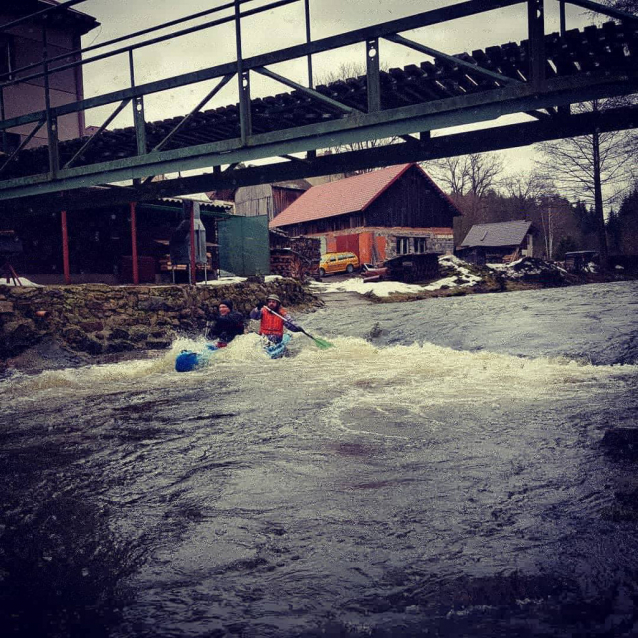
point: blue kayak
(188, 360)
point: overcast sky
(276, 29)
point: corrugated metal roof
(344, 196)
(498, 234)
(296, 184)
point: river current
(438, 472)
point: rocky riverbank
(63, 326)
(58, 326)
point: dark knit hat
(227, 302)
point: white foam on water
(420, 383)
(414, 375)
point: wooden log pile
(295, 257)
(413, 268)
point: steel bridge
(539, 77)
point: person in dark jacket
(228, 324)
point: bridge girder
(499, 95)
(454, 144)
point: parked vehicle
(338, 262)
(370, 272)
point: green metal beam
(373, 79)
(209, 96)
(427, 18)
(471, 108)
(97, 133)
(450, 59)
(320, 97)
(23, 143)
(498, 138)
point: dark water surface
(439, 472)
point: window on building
(420, 245)
(403, 245)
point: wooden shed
(498, 242)
(267, 199)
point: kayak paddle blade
(322, 343)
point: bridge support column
(65, 249)
(372, 75)
(243, 78)
(193, 267)
(135, 265)
(536, 42)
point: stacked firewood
(296, 257)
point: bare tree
(349, 69)
(524, 189)
(533, 194)
(595, 168)
(467, 179)
(473, 174)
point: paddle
(320, 343)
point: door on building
(244, 248)
(348, 244)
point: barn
(377, 215)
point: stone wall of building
(99, 319)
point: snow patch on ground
(23, 282)
(356, 284)
(234, 279)
(222, 281)
(531, 267)
(462, 277)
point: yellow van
(338, 262)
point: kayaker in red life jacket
(272, 326)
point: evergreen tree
(614, 232)
(565, 245)
(628, 223)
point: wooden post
(65, 249)
(193, 276)
(136, 276)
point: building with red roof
(377, 215)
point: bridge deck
(594, 51)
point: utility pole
(598, 201)
(551, 230)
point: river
(438, 472)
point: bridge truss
(540, 77)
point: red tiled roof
(345, 196)
(339, 198)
